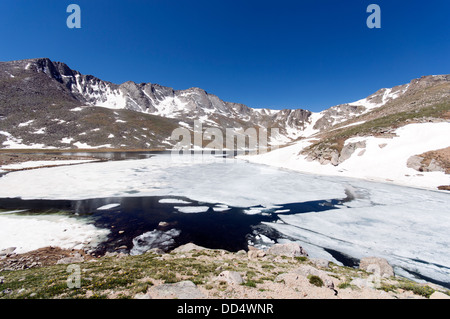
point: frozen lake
(162, 201)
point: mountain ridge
(87, 111)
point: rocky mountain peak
(43, 86)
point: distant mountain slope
(401, 137)
(47, 104)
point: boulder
(349, 149)
(77, 258)
(439, 295)
(299, 279)
(376, 265)
(321, 263)
(142, 296)
(188, 247)
(254, 254)
(306, 270)
(231, 277)
(180, 290)
(288, 249)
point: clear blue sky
(309, 54)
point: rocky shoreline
(284, 271)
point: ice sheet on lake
(36, 164)
(173, 201)
(108, 206)
(32, 232)
(408, 227)
(192, 209)
(252, 211)
(231, 182)
(221, 208)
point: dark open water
(231, 229)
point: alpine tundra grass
(125, 276)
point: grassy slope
(124, 277)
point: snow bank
(383, 159)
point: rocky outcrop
(288, 250)
(42, 257)
(376, 265)
(180, 290)
(231, 277)
(349, 148)
(76, 258)
(308, 271)
(439, 295)
(433, 161)
(333, 154)
(188, 248)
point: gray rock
(288, 249)
(188, 248)
(349, 149)
(180, 290)
(157, 251)
(361, 283)
(142, 296)
(417, 162)
(306, 270)
(231, 277)
(7, 291)
(254, 254)
(322, 263)
(439, 295)
(378, 266)
(70, 260)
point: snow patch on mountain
(383, 159)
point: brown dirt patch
(41, 257)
